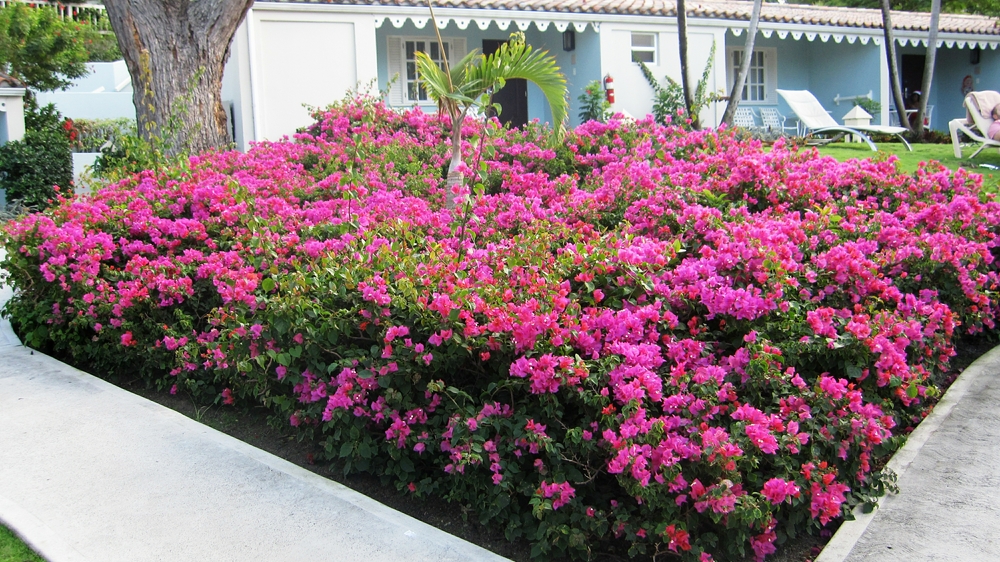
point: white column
(885, 91)
(11, 114)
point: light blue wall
(580, 67)
(845, 69)
(824, 68)
(585, 60)
(793, 63)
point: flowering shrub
(643, 340)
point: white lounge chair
(775, 121)
(977, 130)
(816, 120)
(745, 118)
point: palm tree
(929, 60)
(890, 54)
(741, 77)
(472, 82)
(682, 43)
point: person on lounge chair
(994, 132)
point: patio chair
(976, 130)
(816, 120)
(775, 121)
(745, 118)
(894, 115)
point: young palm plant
(474, 79)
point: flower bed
(637, 339)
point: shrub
(652, 341)
(93, 135)
(31, 168)
(594, 106)
(668, 101)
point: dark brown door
(513, 98)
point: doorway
(513, 97)
(911, 74)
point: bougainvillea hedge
(633, 340)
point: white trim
(650, 49)
(255, 99)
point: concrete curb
(49, 545)
(844, 540)
(36, 534)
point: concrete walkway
(948, 506)
(90, 472)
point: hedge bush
(34, 168)
(638, 340)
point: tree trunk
(455, 185)
(925, 88)
(685, 79)
(890, 53)
(176, 51)
(741, 77)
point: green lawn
(908, 161)
(13, 550)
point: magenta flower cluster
(632, 339)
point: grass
(12, 549)
(908, 161)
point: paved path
(949, 477)
(90, 472)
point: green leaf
(364, 449)
(346, 449)
(852, 370)
(267, 284)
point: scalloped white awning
(502, 20)
(804, 32)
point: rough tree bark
(890, 53)
(925, 87)
(175, 51)
(741, 77)
(682, 40)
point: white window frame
(770, 82)
(633, 49)
(399, 93)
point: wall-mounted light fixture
(973, 55)
(569, 40)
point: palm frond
(516, 59)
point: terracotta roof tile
(718, 9)
(7, 81)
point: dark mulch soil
(256, 427)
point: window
(404, 83)
(644, 47)
(413, 89)
(762, 76)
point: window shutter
(458, 44)
(771, 74)
(395, 59)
